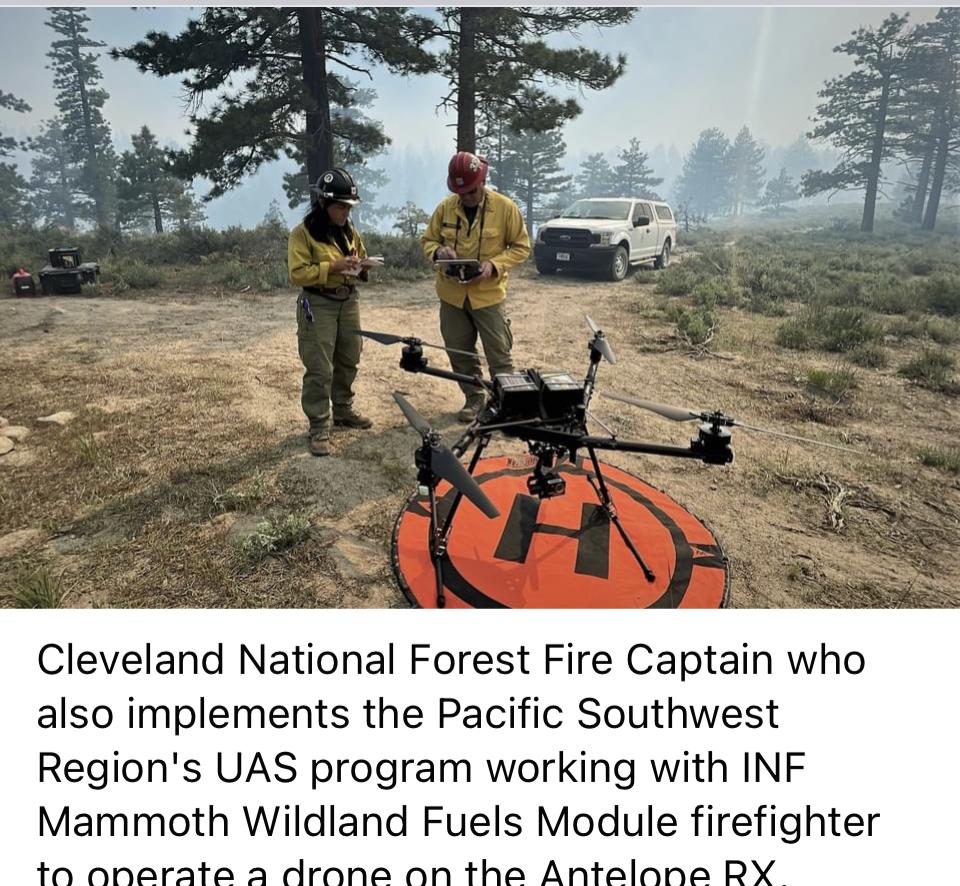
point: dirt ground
(187, 432)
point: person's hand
(348, 263)
(445, 252)
(487, 270)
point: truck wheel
(619, 264)
(546, 269)
(662, 260)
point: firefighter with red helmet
(324, 255)
(477, 223)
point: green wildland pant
(330, 350)
(460, 327)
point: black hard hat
(338, 186)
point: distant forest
(886, 129)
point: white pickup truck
(608, 234)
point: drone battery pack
(560, 393)
(517, 395)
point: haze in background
(687, 70)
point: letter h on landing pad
(593, 536)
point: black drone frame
(549, 436)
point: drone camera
(546, 484)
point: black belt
(338, 293)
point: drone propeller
(444, 463)
(386, 338)
(677, 413)
(600, 341)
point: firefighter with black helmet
(324, 256)
(475, 222)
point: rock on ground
(58, 418)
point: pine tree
(780, 191)
(55, 177)
(634, 177)
(597, 178)
(187, 211)
(293, 99)
(933, 61)
(536, 175)
(497, 59)
(854, 113)
(746, 172)
(80, 101)
(147, 186)
(704, 184)
(411, 219)
(14, 203)
(799, 157)
(274, 214)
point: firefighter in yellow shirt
(475, 223)
(324, 253)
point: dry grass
(189, 437)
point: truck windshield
(597, 209)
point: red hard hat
(465, 172)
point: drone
(549, 411)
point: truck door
(645, 236)
(636, 234)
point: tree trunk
(68, 218)
(157, 218)
(876, 155)
(466, 81)
(319, 137)
(939, 171)
(93, 161)
(923, 180)
(945, 123)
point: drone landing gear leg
(438, 549)
(438, 534)
(600, 487)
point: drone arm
(412, 360)
(640, 447)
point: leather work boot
(352, 419)
(470, 410)
(319, 443)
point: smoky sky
(687, 69)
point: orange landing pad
(563, 552)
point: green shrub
(677, 280)
(933, 370)
(40, 589)
(135, 275)
(716, 291)
(273, 536)
(843, 329)
(902, 328)
(834, 383)
(795, 334)
(696, 326)
(943, 332)
(941, 294)
(947, 458)
(871, 354)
